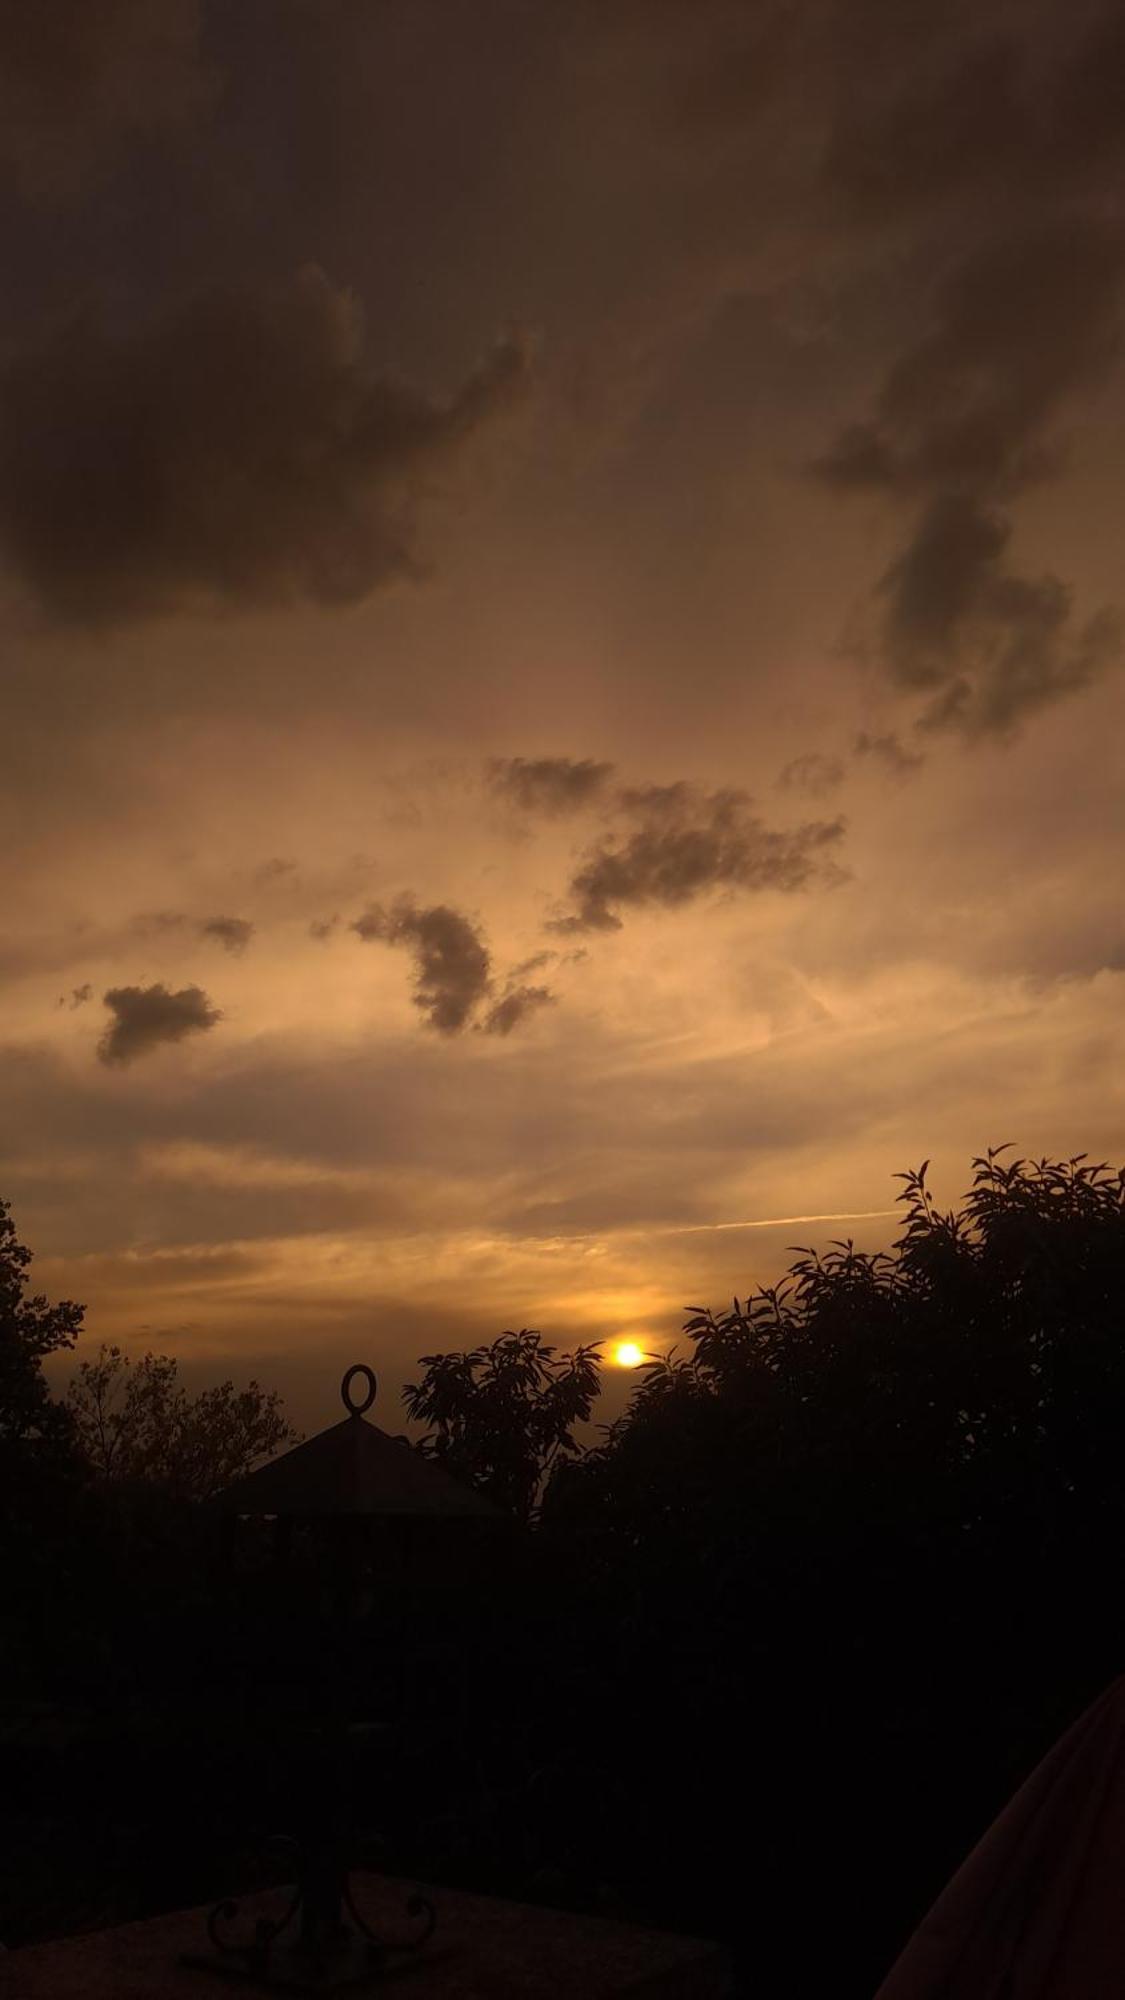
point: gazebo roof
(353, 1468)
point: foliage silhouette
(504, 1415)
(971, 1377)
(35, 1434)
(861, 1539)
(134, 1423)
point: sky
(561, 618)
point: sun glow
(627, 1354)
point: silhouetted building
(355, 1557)
(354, 1471)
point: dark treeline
(762, 1662)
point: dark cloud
(933, 589)
(233, 933)
(686, 842)
(453, 967)
(992, 645)
(321, 928)
(965, 119)
(550, 785)
(78, 80)
(1024, 133)
(1018, 325)
(813, 773)
(993, 112)
(889, 752)
(238, 451)
(515, 1006)
(452, 962)
(144, 1017)
(966, 420)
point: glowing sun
(627, 1354)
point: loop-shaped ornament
(359, 1368)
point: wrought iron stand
(320, 1943)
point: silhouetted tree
(135, 1424)
(504, 1416)
(859, 1539)
(969, 1382)
(34, 1431)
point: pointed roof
(1036, 1908)
(353, 1468)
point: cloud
(451, 960)
(1017, 326)
(998, 113)
(233, 933)
(453, 968)
(514, 1007)
(889, 752)
(813, 773)
(146, 1016)
(321, 928)
(685, 843)
(553, 786)
(77, 81)
(238, 451)
(537, 961)
(277, 869)
(992, 645)
(965, 421)
(80, 995)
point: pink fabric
(1037, 1912)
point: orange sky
(609, 513)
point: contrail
(779, 1221)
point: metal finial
(357, 1409)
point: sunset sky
(561, 597)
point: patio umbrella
(1037, 1911)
